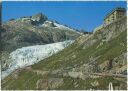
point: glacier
(30, 55)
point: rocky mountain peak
(39, 17)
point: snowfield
(65, 27)
(62, 26)
(59, 26)
(26, 56)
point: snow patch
(47, 24)
(57, 25)
(62, 26)
(26, 56)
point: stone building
(115, 14)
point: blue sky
(80, 15)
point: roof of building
(116, 9)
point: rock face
(91, 62)
(38, 19)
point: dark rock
(38, 18)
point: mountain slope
(91, 62)
(32, 30)
(28, 31)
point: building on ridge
(115, 14)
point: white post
(110, 87)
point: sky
(85, 15)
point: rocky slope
(32, 30)
(91, 62)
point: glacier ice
(26, 56)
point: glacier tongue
(30, 55)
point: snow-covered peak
(30, 55)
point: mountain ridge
(30, 31)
